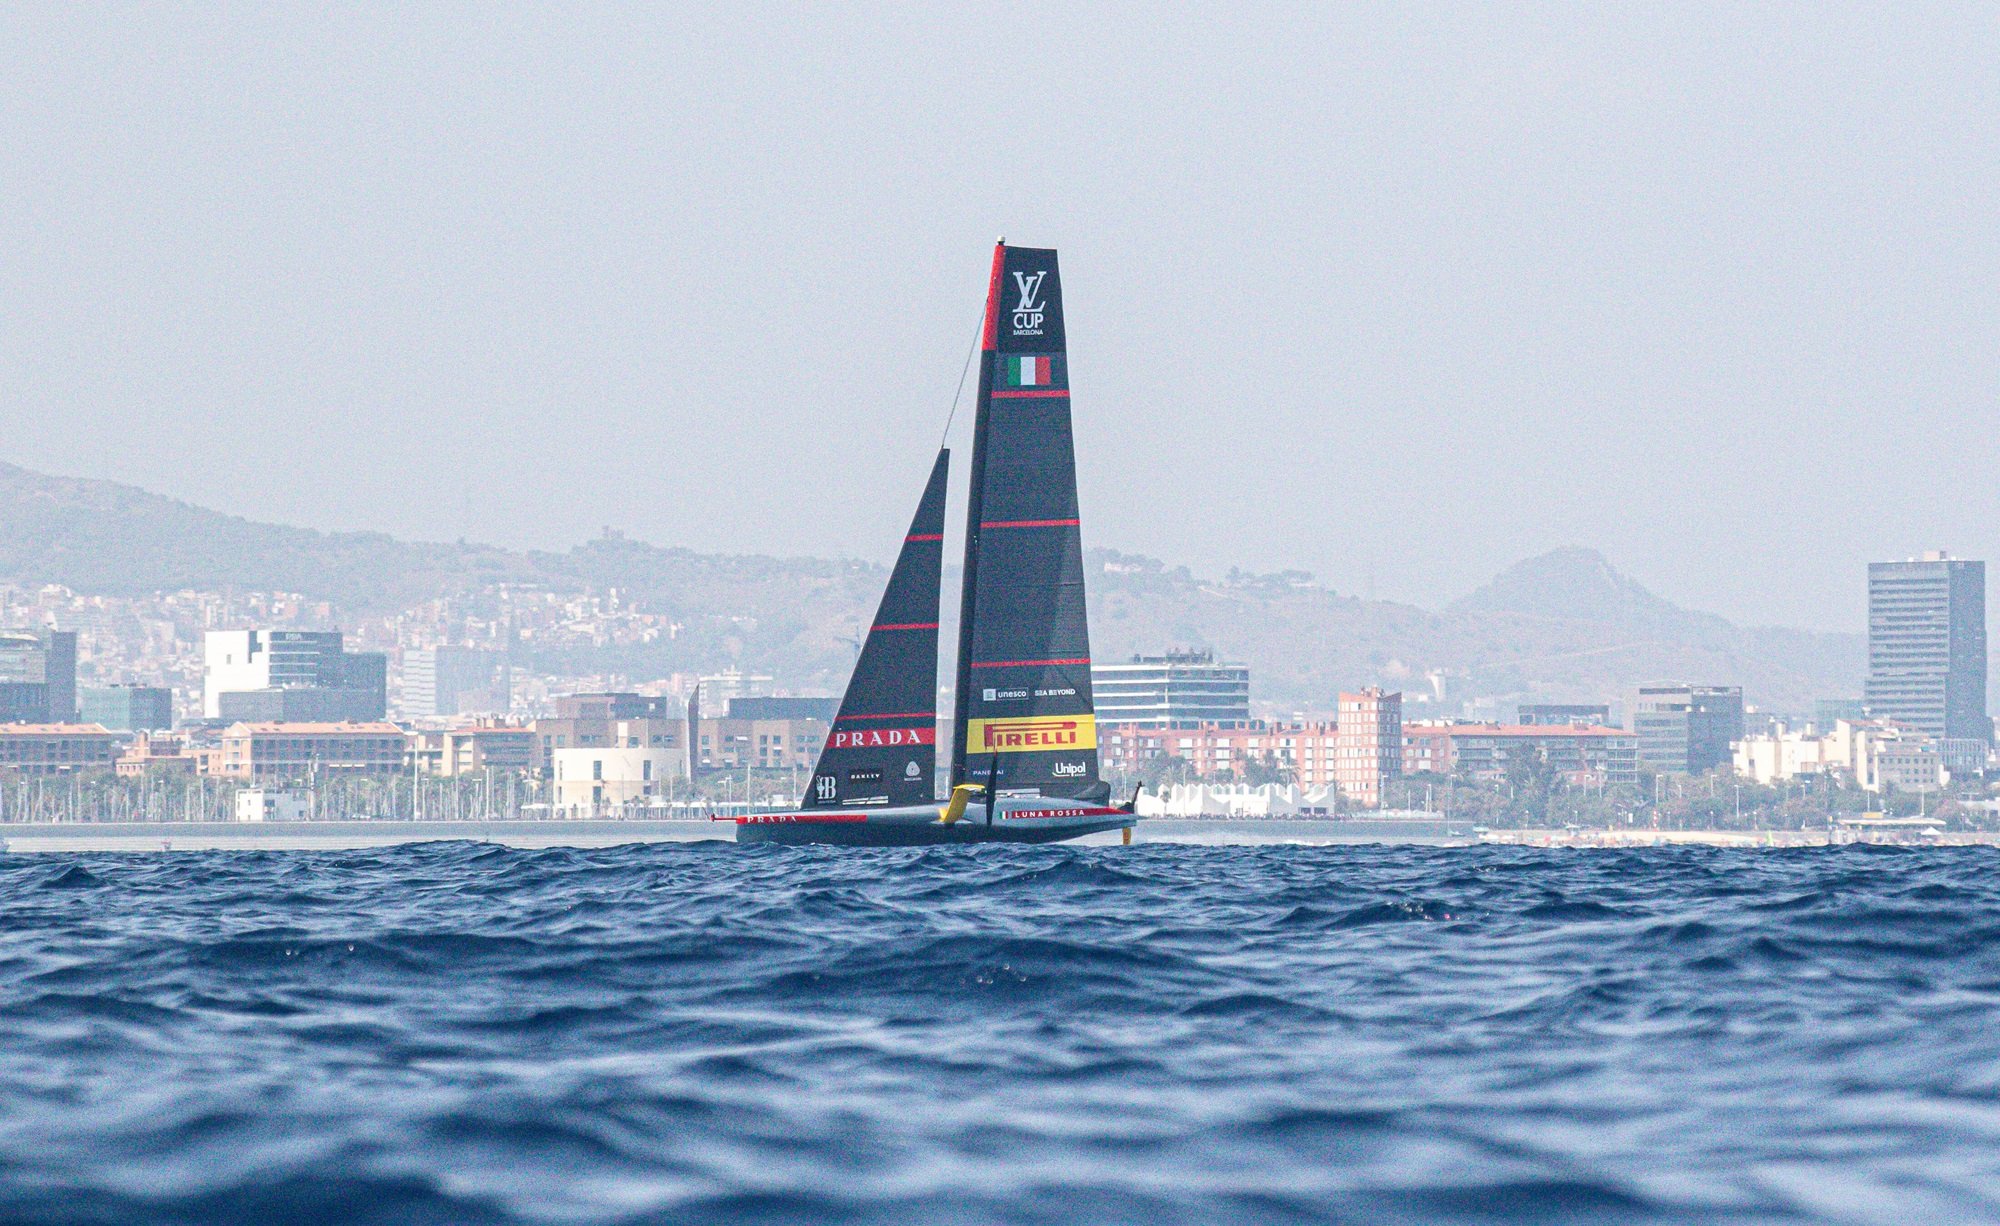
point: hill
(117, 540)
(1562, 627)
(1565, 626)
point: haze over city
(1398, 296)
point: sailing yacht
(1024, 765)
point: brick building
(56, 749)
(1304, 752)
(295, 751)
(1369, 745)
(1583, 755)
(152, 753)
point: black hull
(921, 828)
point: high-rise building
(452, 681)
(365, 676)
(1927, 652)
(1182, 689)
(37, 676)
(291, 675)
(128, 708)
(1687, 729)
(239, 660)
(1368, 745)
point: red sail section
(882, 749)
(1024, 719)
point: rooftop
(380, 728)
(55, 730)
(1515, 730)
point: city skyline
(284, 705)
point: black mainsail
(1024, 710)
(882, 749)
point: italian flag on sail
(1027, 370)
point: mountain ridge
(1564, 625)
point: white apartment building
(1773, 757)
(588, 779)
(237, 660)
(1877, 755)
(1182, 689)
(290, 675)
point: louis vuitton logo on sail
(1031, 734)
(1029, 310)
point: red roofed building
(1582, 754)
(296, 750)
(157, 752)
(1304, 751)
(56, 749)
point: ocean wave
(470, 1033)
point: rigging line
(977, 335)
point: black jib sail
(1024, 723)
(883, 746)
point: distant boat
(1024, 765)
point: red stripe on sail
(1030, 395)
(925, 536)
(993, 299)
(905, 626)
(1032, 523)
(1024, 663)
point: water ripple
(467, 1033)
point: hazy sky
(1395, 295)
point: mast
(975, 505)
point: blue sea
(462, 1033)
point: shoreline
(22, 838)
(28, 838)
